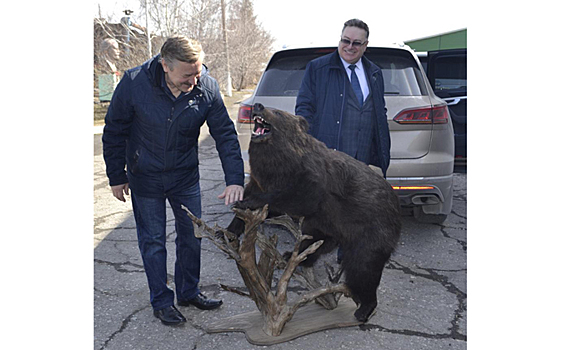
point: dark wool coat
(156, 135)
(322, 101)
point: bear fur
(343, 201)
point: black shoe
(170, 316)
(201, 302)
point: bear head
(273, 126)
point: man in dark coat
(347, 114)
(152, 129)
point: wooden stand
(309, 319)
(267, 325)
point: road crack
(458, 336)
(446, 234)
(123, 326)
(120, 267)
(433, 275)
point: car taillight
(413, 187)
(245, 114)
(435, 115)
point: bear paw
(364, 312)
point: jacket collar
(154, 70)
(369, 66)
(335, 60)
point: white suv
(422, 151)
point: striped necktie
(356, 84)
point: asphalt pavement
(422, 300)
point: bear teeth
(260, 119)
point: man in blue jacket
(347, 112)
(150, 145)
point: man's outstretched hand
(232, 193)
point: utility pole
(148, 32)
(126, 22)
(225, 37)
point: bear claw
(364, 313)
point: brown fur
(342, 200)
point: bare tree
(249, 44)
(166, 15)
(203, 19)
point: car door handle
(454, 100)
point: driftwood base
(308, 319)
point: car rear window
(286, 69)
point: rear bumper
(434, 170)
(438, 199)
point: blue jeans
(150, 216)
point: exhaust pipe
(425, 199)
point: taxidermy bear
(343, 201)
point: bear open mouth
(261, 127)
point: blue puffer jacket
(322, 101)
(156, 136)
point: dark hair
(355, 22)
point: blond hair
(183, 49)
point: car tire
(420, 216)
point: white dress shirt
(360, 74)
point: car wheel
(420, 216)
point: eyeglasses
(354, 43)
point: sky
(319, 22)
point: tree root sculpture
(258, 276)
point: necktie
(356, 85)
